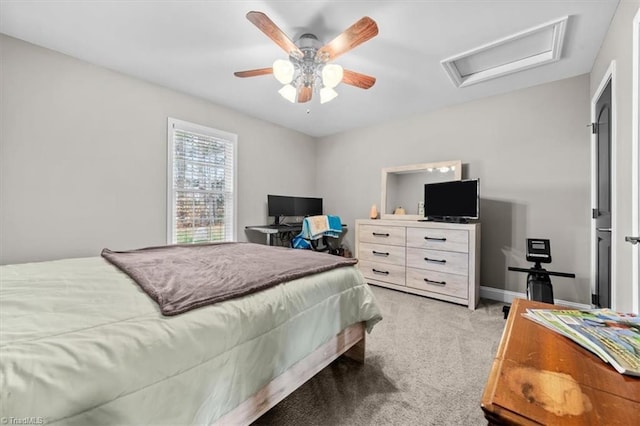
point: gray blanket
(183, 277)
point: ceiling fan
(308, 67)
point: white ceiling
(195, 46)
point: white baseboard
(507, 296)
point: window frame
(232, 138)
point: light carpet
(426, 363)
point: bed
(81, 343)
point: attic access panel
(527, 49)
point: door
(635, 172)
(602, 212)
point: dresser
(433, 259)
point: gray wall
(529, 148)
(83, 157)
(83, 162)
(618, 46)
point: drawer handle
(435, 260)
(375, 271)
(435, 239)
(378, 234)
(379, 253)
(435, 282)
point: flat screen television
(452, 201)
(282, 205)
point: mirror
(403, 186)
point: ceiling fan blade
(304, 94)
(357, 79)
(363, 30)
(272, 31)
(254, 73)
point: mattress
(81, 344)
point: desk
(541, 377)
(269, 230)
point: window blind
(203, 185)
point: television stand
(445, 219)
(457, 220)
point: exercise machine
(539, 287)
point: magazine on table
(612, 336)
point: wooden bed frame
(350, 342)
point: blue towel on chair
(298, 242)
(315, 227)
(335, 226)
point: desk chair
(316, 230)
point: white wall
(529, 148)
(617, 46)
(83, 157)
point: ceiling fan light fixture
(288, 92)
(283, 71)
(308, 71)
(327, 94)
(332, 75)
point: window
(201, 199)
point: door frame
(610, 74)
(635, 171)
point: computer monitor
(282, 205)
(307, 206)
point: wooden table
(541, 377)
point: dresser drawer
(382, 253)
(436, 260)
(438, 239)
(394, 274)
(380, 234)
(438, 282)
